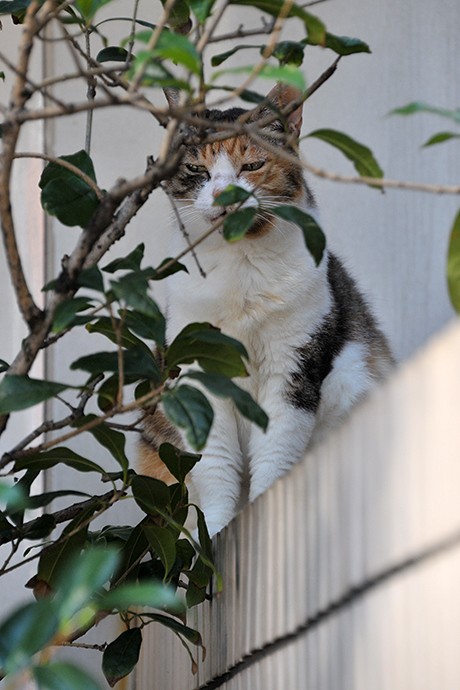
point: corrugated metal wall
(345, 575)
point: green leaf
(121, 655)
(232, 194)
(163, 544)
(151, 495)
(55, 558)
(105, 325)
(287, 74)
(114, 441)
(152, 594)
(314, 26)
(150, 327)
(175, 47)
(112, 54)
(25, 632)
(421, 107)
(345, 45)
(4, 366)
(91, 278)
(13, 6)
(190, 634)
(41, 500)
(131, 262)
(132, 290)
(65, 313)
(440, 138)
(237, 224)
(83, 576)
(49, 458)
(313, 235)
(131, 553)
(214, 351)
(39, 528)
(21, 392)
(288, 53)
(179, 16)
(67, 196)
(201, 9)
(167, 268)
(245, 95)
(217, 60)
(63, 676)
(187, 408)
(138, 362)
(453, 264)
(361, 156)
(225, 388)
(178, 462)
(88, 8)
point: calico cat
(314, 346)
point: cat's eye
(197, 169)
(250, 167)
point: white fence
(346, 574)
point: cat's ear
(172, 96)
(282, 95)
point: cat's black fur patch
(349, 319)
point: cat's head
(255, 163)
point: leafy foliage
(85, 573)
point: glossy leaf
(112, 54)
(13, 6)
(201, 9)
(134, 549)
(178, 461)
(121, 655)
(176, 626)
(288, 53)
(287, 74)
(225, 388)
(453, 264)
(82, 576)
(4, 366)
(168, 267)
(421, 107)
(361, 156)
(238, 223)
(152, 594)
(217, 60)
(132, 289)
(54, 559)
(65, 313)
(163, 544)
(232, 194)
(187, 408)
(111, 439)
(314, 26)
(41, 500)
(67, 196)
(91, 278)
(39, 528)
(21, 392)
(179, 16)
(63, 676)
(130, 262)
(105, 325)
(440, 138)
(49, 458)
(150, 327)
(88, 8)
(214, 351)
(345, 45)
(150, 494)
(138, 362)
(175, 47)
(25, 632)
(313, 235)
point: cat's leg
(284, 443)
(216, 479)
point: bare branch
(64, 164)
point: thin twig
(64, 164)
